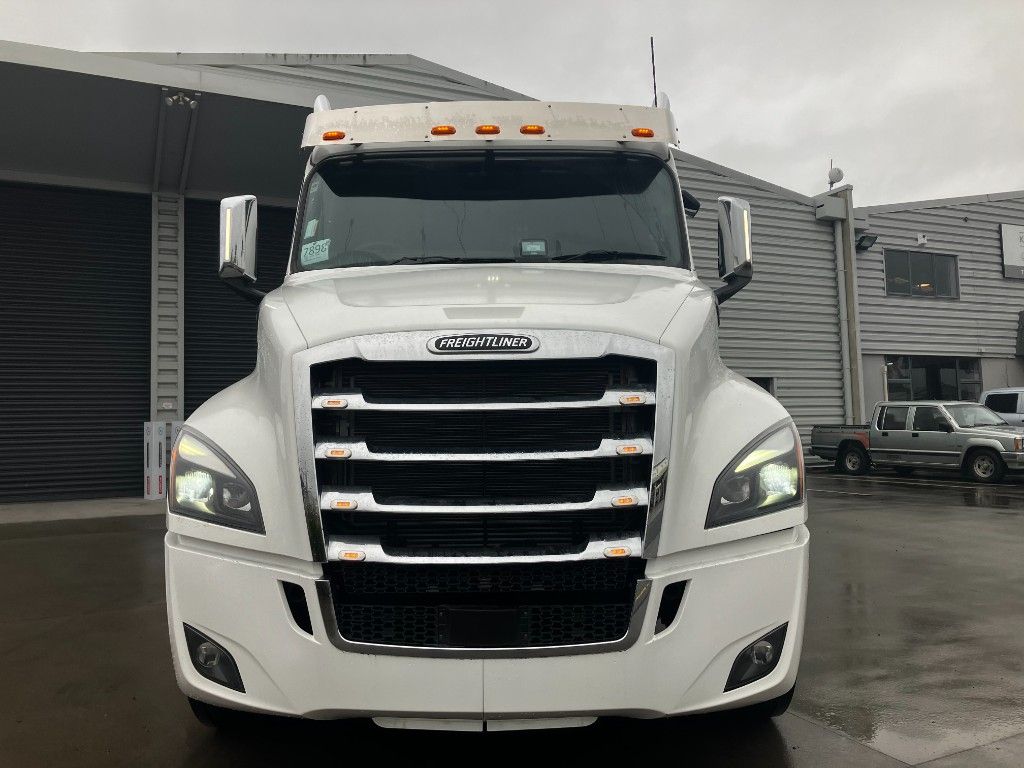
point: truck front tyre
(212, 716)
(771, 708)
(984, 466)
(853, 460)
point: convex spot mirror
(237, 256)
(735, 260)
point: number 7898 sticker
(315, 252)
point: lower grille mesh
(546, 604)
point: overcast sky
(914, 99)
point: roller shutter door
(74, 342)
(220, 326)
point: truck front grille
(476, 461)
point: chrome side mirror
(735, 260)
(237, 256)
(238, 237)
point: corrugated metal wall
(220, 326)
(74, 342)
(785, 324)
(982, 322)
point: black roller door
(220, 326)
(74, 342)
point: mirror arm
(733, 284)
(244, 288)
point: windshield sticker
(315, 252)
(310, 228)
(533, 248)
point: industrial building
(111, 167)
(940, 294)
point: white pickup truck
(489, 471)
(918, 434)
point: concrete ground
(913, 652)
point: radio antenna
(654, 73)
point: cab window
(928, 418)
(1002, 402)
(894, 417)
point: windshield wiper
(601, 255)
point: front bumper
(736, 592)
(1013, 460)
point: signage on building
(1013, 251)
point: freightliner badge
(482, 343)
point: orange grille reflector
(488, 130)
(643, 133)
(624, 501)
(333, 135)
(335, 402)
(346, 504)
(531, 130)
(628, 450)
(632, 399)
(442, 130)
(339, 453)
(617, 552)
(352, 555)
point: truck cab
(490, 471)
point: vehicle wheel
(854, 460)
(985, 466)
(903, 471)
(771, 708)
(212, 716)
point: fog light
(758, 659)
(207, 655)
(211, 660)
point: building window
(917, 273)
(767, 383)
(933, 378)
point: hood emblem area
(483, 343)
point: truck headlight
(207, 485)
(767, 476)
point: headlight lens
(207, 485)
(767, 476)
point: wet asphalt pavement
(913, 653)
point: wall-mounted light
(865, 241)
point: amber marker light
(624, 501)
(531, 129)
(334, 135)
(335, 402)
(346, 504)
(616, 552)
(339, 453)
(442, 130)
(352, 555)
(632, 400)
(488, 130)
(643, 133)
(630, 449)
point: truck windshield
(491, 206)
(969, 415)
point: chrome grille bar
(339, 450)
(371, 551)
(361, 499)
(354, 401)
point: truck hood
(616, 298)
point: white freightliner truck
(490, 471)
